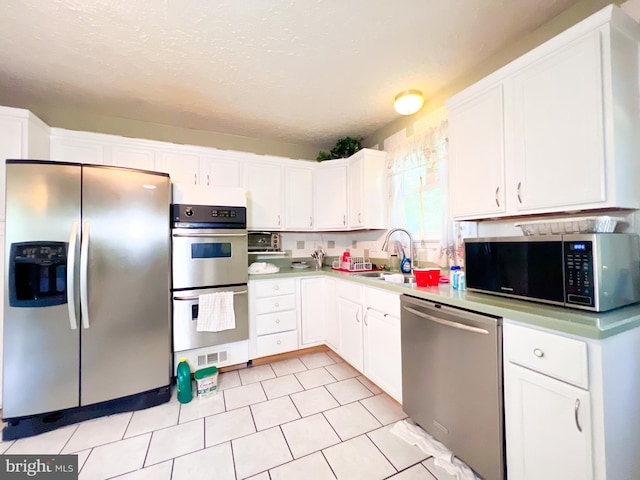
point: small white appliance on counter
(209, 257)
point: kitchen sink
(408, 279)
(371, 274)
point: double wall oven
(209, 254)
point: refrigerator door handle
(71, 268)
(84, 269)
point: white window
(418, 187)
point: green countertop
(576, 322)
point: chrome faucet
(385, 245)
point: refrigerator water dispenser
(38, 274)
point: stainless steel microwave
(596, 272)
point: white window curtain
(417, 171)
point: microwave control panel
(578, 272)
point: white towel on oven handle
(215, 312)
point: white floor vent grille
(209, 358)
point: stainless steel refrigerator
(87, 280)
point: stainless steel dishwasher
(452, 381)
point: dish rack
(356, 264)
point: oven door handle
(448, 323)
(208, 235)
(196, 297)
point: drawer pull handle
(278, 342)
(276, 287)
(538, 353)
(277, 305)
(278, 320)
(577, 409)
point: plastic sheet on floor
(443, 457)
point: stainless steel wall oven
(209, 254)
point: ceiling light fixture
(408, 102)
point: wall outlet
(331, 244)
(300, 244)
(354, 243)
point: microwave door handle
(209, 235)
(71, 277)
(84, 277)
(196, 297)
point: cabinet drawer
(275, 304)
(554, 355)
(268, 288)
(382, 301)
(275, 322)
(277, 343)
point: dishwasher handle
(449, 323)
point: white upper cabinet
(22, 136)
(263, 183)
(367, 189)
(298, 198)
(558, 128)
(75, 147)
(130, 155)
(224, 169)
(565, 137)
(476, 155)
(330, 195)
(182, 167)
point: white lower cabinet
(571, 405)
(313, 311)
(382, 351)
(349, 313)
(549, 428)
(273, 324)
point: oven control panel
(208, 216)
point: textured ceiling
(305, 72)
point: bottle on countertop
(405, 264)
(395, 262)
(454, 276)
(185, 392)
(346, 264)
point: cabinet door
(476, 152)
(368, 190)
(220, 172)
(130, 156)
(330, 197)
(548, 427)
(382, 355)
(264, 194)
(332, 332)
(298, 198)
(64, 149)
(313, 303)
(182, 167)
(350, 331)
(558, 130)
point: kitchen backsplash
(368, 243)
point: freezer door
(41, 347)
(125, 281)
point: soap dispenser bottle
(405, 264)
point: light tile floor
(311, 416)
